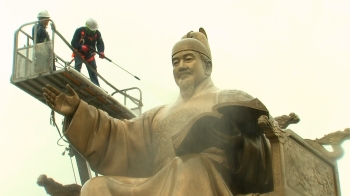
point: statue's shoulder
(230, 99)
(233, 96)
(152, 112)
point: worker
(85, 40)
(41, 34)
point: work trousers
(92, 75)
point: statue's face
(187, 65)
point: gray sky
(292, 55)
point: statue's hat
(196, 41)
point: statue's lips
(184, 75)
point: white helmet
(91, 24)
(43, 14)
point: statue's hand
(60, 102)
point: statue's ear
(203, 31)
(208, 68)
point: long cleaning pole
(108, 59)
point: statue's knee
(95, 186)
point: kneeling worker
(83, 39)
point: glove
(102, 55)
(84, 48)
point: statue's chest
(170, 124)
(165, 126)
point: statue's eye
(188, 59)
(175, 63)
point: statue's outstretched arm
(60, 102)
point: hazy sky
(292, 55)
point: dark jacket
(41, 33)
(92, 40)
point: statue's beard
(186, 88)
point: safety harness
(82, 41)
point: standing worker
(41, 34)
(83, 39)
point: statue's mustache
(184, 73)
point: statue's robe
(208, 145)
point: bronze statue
(206, 143)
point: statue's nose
(182, 64)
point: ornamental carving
(285, 120)
(272, 129)
(334, 139)
(306, 173)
